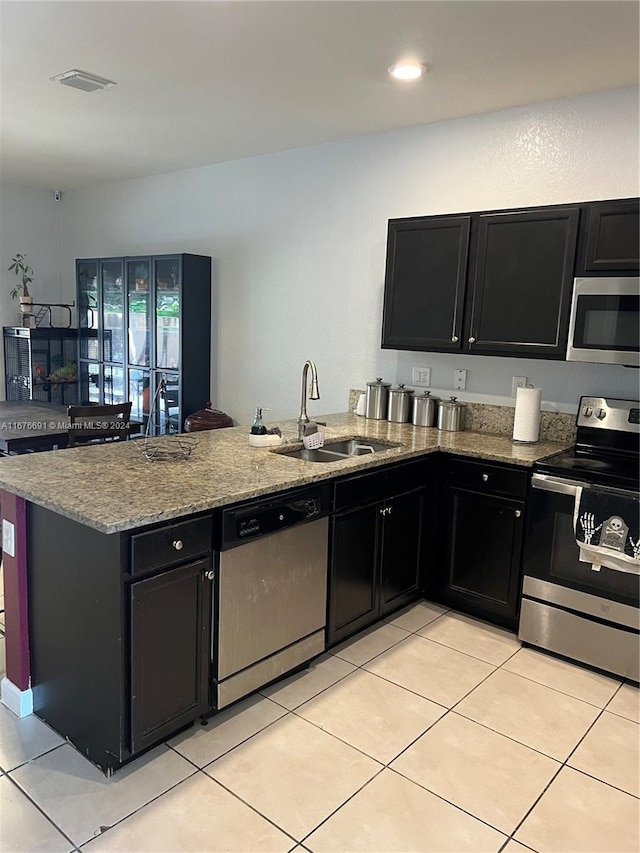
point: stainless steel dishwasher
(271, 591)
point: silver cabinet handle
(389, 510)
(517, 513)
(383, 511)
(472, 340)
(209, 575)
(178, 544)
(485, 477)
(454, 338)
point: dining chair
(89, 424)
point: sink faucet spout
(314, 394)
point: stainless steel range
(581, 590)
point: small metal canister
(425, 410)
(451, 414)
(377, 399)
(400, 404)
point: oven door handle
(556, 484)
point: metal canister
(376, 401)
(451, 414)
(399, 410)
(425, 410)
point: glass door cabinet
(145, 335)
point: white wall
(30, 222)
(298, 241)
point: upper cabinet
(145, 335)
(499, 283)
(520, 289)
(425, 285)
(611, 240)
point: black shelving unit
(41, 364)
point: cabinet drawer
(174, 543)
(382, 483)
(503, 480)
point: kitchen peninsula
(95, 525)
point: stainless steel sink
(336, 451)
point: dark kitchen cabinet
(425, 283)
(170, 640)
(521, 285)
(122, 660)
(482, 510)
(375, 556)
(611, 238)
(495, 283)
(145, 335)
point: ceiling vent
(83, 80)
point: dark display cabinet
(41, 364)
(145, 335)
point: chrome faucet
(314, 394)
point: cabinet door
(424, 285)
(483, 553)
(353, 579)
(612, 241)
(522, 283)
(400, 551)
(170, 643)
(112, 320)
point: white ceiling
(204, 82)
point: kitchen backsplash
(498, 420)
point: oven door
(551, 553)
(604, 326)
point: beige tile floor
(431, 731)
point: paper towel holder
(528, 441)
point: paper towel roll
(526, 424)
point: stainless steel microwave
(604, 325)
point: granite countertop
(112, 487)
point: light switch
(8, 538)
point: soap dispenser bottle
(258, 427)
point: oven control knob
(588, 411)
(601, 414)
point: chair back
(98, 423)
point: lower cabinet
(170, 642)
(375, 556)
(479, 566)
(121, 661)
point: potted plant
(24, 272)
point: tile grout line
(41, 810)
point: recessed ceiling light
(83, 80)
(407, 70)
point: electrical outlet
(421, 376)
(518, 382)
(460, 380)
(8, 538)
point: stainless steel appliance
(585, 611)
(271, 592)
(604, 324)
